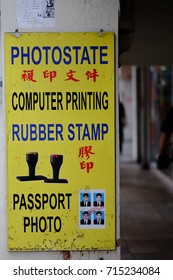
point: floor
(146, 214)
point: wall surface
(70, 16)
(127, 90)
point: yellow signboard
(60, 126)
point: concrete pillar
(70, 16)
(145, 117)
(134, 115)
(139, 105)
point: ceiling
(146, 32)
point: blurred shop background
(146, 91)
(160, 99)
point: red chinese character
(88, 165)
(28, 75)
(92, 75)
(70, 76)
(49, 74)
(85, 151)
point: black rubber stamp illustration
(56, 162)
(31, 159)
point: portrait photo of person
(85, 218)
(99, 202)
(85, 200)
(99, 218)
